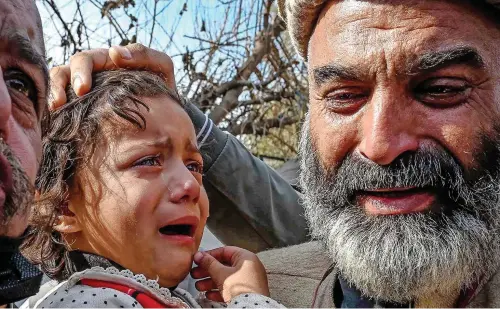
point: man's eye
(149, 161)
(345, 101)
(443, 91)
(195, 167)
(20, 82)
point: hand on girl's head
(79, 72)
(227, 272)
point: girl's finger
(199, 273)
(214, 296)
(205, 285)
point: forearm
(251, 206)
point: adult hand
(229, 272)
(83, 64)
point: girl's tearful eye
(149, 161)
(195, 167)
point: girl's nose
(183, 186)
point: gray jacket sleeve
(251, 206)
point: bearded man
(23, 91)
(400, 153)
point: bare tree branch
(261, 127)
(237, 64)
(153, 23)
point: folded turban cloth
(301, 15)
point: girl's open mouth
(178, 230)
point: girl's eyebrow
(164, 142)
(161, 142)
(139, 143)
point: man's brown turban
(301, 15)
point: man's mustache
(418, 169)
(429, 168)
(21, 195)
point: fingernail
(198, 256)
(77, 83)
(124, 52)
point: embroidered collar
(83, 261)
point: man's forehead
(21, 36)
(22, 17)
(349, 32)
(359, 18)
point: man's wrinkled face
(23, 90)
(401, 146)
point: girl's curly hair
(75, 130)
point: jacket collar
(332, 291)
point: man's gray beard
(403, 257)
(21, 196)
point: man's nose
(183, 186)
(5, 107)
(388, 130)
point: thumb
(209, 263)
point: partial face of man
(23, 90)
(401, 146)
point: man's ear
(67, 222)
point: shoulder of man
(295, 272)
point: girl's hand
(229, 272)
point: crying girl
(121, 206)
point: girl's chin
(169, 280)
(170, 274)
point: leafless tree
(237, 65)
